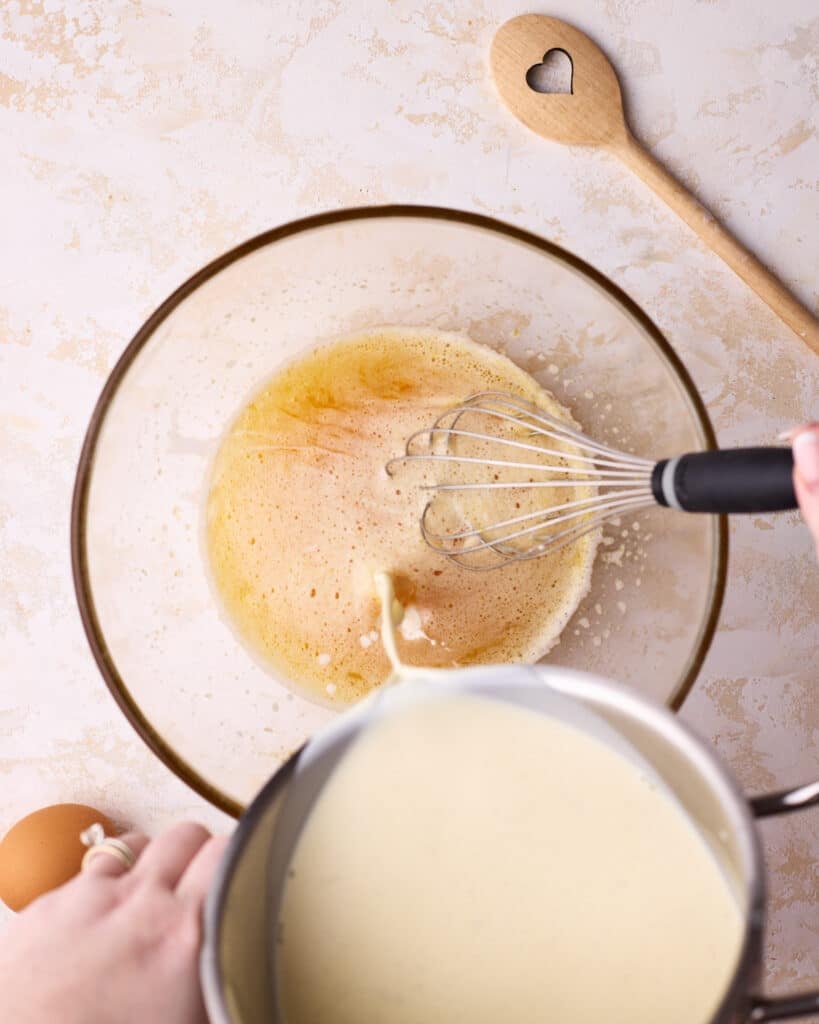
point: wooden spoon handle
(742, 262)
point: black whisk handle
(734, 480)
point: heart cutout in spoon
(553, 74)
(528, 52)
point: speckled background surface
(141, 140)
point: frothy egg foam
(301, 514)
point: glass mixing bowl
(196, 695)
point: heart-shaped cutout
(553, 74)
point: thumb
(806, 476)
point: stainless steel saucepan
(237, 959)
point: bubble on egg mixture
(301, 513)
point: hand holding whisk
(511, 482)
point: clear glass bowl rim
(79, 558)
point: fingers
(196, 880)
(806, 476)
(109, 864)
(809, 505)
(166, 858)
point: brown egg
(43, 850)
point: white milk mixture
(471, 862)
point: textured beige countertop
(139, 140)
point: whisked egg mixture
(301, 513)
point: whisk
(511, 482)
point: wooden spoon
(590, 113)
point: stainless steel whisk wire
(628, 478)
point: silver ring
(98, 842)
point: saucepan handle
(788, 1007)
(785, 801)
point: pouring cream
(473, 861)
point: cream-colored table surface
(139, 140)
